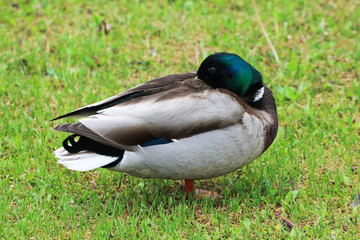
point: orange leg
(198, 193)
(189, 187)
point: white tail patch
(82, 161)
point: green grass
(53, 59)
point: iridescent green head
(228, 70)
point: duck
(187, 126)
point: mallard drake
(187, 126)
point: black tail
(79, 143)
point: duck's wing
(175, 110)
(148, 88)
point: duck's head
(229, 71)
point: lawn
(56, 56)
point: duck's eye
(212, 69)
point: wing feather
(80, 129)
(175, 118)
(175, 110)
(148, 88)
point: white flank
(202, 156)
(82, 161)
(259, 94)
